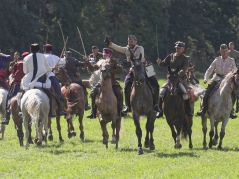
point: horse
(173, 108)
(107, 106)
(141, 101)
(219, 109)
(3, 98)
(94, 79)
(35, 105)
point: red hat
(47, 47)
(25, 54)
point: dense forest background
(202, 24)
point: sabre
(63, 50)
(157, 40)
(62, 33)
(81, 40)
(76, 51)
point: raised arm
(209, 71)
(118, 48)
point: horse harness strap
(35, 67)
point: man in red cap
(4, 73)
(17, 74)
(54, 60)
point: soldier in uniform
(17, 74)
(132, 49)
(71, 69)
(115, 69)
(222, 65)
(4, 73)
(96, 55)
(176, 60)
(233, 53)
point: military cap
(17, 53)
(67, 53)
(179, 44)
(47, 48)
(34, 47)
(94, 47)
(132, 37)
(25, 54)
(231, 43)
(107, 51)
(223, 46)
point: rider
(11, 64)
(115, 69)
(17, 74)
(54, 60)
(222, 65)
(96, 55)
(176, 60)
(35, 67)
(71, 69)
(4, 73)
(132, 49)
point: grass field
(90, 159)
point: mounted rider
(71, 68)
(11, 64)
(96, 55)
(54, 60)
(115, 69)
(222, 65)
(36, 68)
(4, 73)
(176, 60)
(132, 49)
(17, 74)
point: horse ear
(169, 69)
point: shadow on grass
(214, 148)
(176, 155)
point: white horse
(219, 108)
(35, 105)
(3, 98)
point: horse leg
(204, 129)
(104, 132)
(178, 126)
(215, 139)
(113, 125)
(25, 122)
(3, 127)
(152, 120)
(68, 126)
(147, 126)
(58, 118)
(50, 137)
(189, 129)
(30, 131)
(36, 132)
(138, 132)
(222, 133)
(45, 128)
(174, 135)
(82, 134)
(72, 129)
(211, 133)
(40, 133)
(118, 123)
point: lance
(157, 41)
(76, 51)
(81, 40)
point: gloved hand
(107, 40)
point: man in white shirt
(222, 65)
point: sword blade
(81, 40)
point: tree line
(202, 24)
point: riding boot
(120, 107)
(60, 107)
(156, 103)
(93, 111)
(127, 100)
(6, 119)
(188, 109)
(160, 114)
(87, 107)
(51, 114)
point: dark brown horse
(173, 107)
(141, 100)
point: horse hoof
(214, 142)
(39, 143)
(116, 146)
(106, 145)
(35, 141)
(30, 141)
(26, 146)
(146, 144)
(105, 141)
(61, 140)
(219, 147)
(82, 136)
(178, 146)
(152, 147)
(69, 135)
(140, 151)
(50, 137)
(113, 141)
(73, 133)
(190, 146)
(210, 145)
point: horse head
(191, 73)
(62, 76)
(173, 80)
(138, 70)
(236, 79)
(105, 70)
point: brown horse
(107, 106)
(173, 107)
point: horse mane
(226, 80)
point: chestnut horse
(107, 106)
(173, 108)
(141, 100)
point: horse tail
(184, 131)
(33, 108)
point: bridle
(106, 69)
(142, 71)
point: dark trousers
(14, 91)
(209, 88)
(4, 85)
(56, 86)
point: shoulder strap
(34, 66)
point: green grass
(90, 159)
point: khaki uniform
(11, 64)
(96, 57)
(234, 54)
(175, 61)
